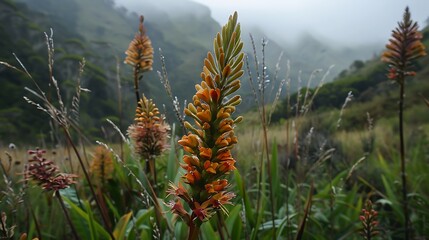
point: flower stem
(402, 153)
(136, 84)
(194, 231)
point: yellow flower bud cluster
(149, 133)
(140, 50)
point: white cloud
(340, 21)
(343, 21)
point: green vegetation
(324, 165)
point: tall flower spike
(102, 165)
(140, 56)
(403, 47)
(209, 141)
(140, 51)
(369, 222)
(149, 133)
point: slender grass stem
(265, 130)
(119, 87)
(91, 187)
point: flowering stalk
(369, 222)
(149, 134)
(46, 174)
(403, 47)
(102, 166)
(209, 141)
(140, 56)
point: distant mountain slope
(372, 91)
(21, 33)
(184, 39)
(100, 32)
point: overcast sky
(343, 22)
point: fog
(341, 22)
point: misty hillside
(372, 92)
(100, 31)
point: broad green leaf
(82, 226)
(121, 226)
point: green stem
(402, 152)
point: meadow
(285, 169)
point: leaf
(207, 232)
(233, 222)
(121, 226)
(91, 221)
(112, 207)
(250, 216)
(82, 226)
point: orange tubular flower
(210, 140)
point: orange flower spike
(202, 212)
(221, 142)
(216, 186)
(225, 125)
(209, 188)
(215, 94)
(224, 156)
(206, 126)
(222, 114)
(178, 191)
(177, 208)
(192, 176)
(221, 199)
(190, 140)
(191, 160)
(203, 94)
(205, 115)
(197, 175)
(227, 166)
(210, 166)
(209, 156)
(206, 153)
